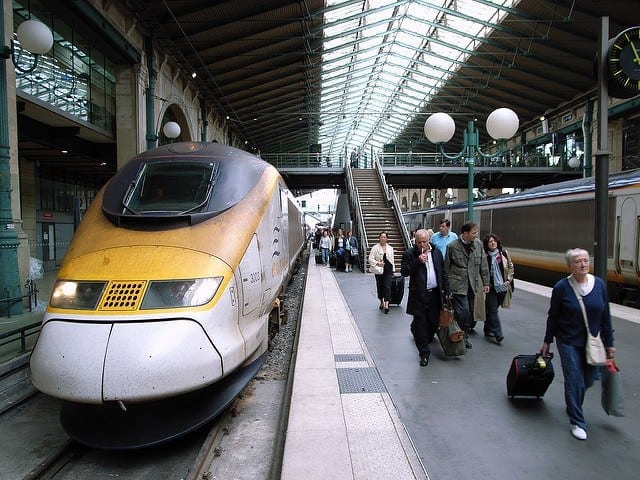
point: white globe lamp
(502, 123)
(171, 130)
(439, 127)
(35, 37)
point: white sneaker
(578, 432)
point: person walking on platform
(351, 246)
(325, 247)
(382, 264)
(499, 294)
(466, 266)
(444, 236)
(318, 236)
(338, 248)
(566, 323)
(428, 287)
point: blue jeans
(578, 376)
(492, 326)
(325, 256)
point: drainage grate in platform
(360, 380)
(349, 357)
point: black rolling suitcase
(397, 290)
(318, 258)
(529, 375)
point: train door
(627, 246)
(253, 326)
(251, 276)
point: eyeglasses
(581, 261)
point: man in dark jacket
(428, 287)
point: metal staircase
(379, 213)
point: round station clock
(623, 63)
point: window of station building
(60, 194)
(73, 76)
(574, 147)
(552, 150)
(631, 144)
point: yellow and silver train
(161, 305)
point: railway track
(74, 461)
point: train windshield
(169, 188)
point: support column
(152, 135)
(9, 273)
(128, 113)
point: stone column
(129, 114)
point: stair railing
(361, 232)
(401, 223)
(392, 199)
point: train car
(159, 314)
(538, 225)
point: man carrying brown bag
(428, 289)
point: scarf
(496, 271)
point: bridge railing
(410, 159)
(303, 160)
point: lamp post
(502, 124)
(37, 38)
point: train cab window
(170, 188)
(186, 183)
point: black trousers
(383, 286)
(425, 323)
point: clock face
(623, 59)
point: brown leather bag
(446, 316)
(447, 321)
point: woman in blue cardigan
(565, 322)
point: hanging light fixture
(35, 37)
(171, 130)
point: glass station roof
(384, 60)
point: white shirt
(432, 282)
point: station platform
(363, 408)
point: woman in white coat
(382, 264)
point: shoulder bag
(378, 270)
(594, 348)
(352, 250)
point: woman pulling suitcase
(382, 264)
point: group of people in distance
(476, 278)
(344, 246)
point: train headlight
(180, 293)
(76, 295)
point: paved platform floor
(363, 408)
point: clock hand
(635, 53)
